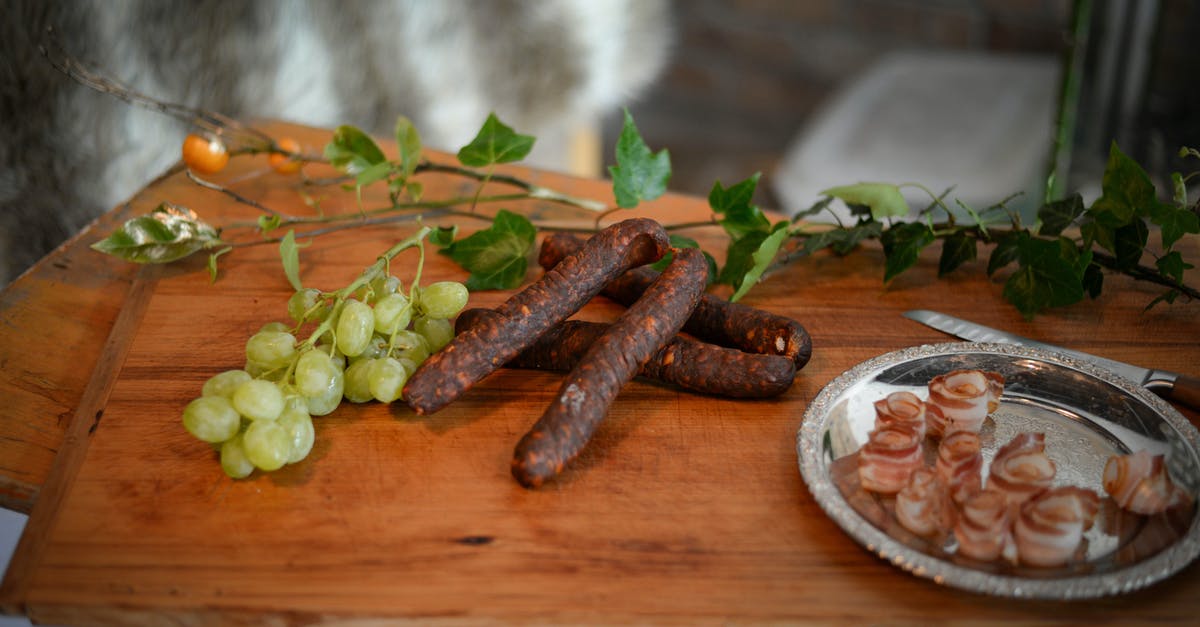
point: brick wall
(746, 74)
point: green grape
(267, 444)
(386, 379)
(272, 327)
(410, 366)
(224, 383)
(338, 358)
(314, 372)
(377, 347)
(357, 388)
(437, 331)
(271, 349)
(299, 426)
(328, 400)
(354, 326)
(392, 313)
(211, 419)
(258, 400)
(410, 344)
(233, 459)
(305, 306)
(254, 369)
(443, 299)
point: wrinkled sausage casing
(560, 292)
(684, 362)
(610, 362)
(716, 320)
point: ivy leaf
(679, 241)
(1093, 280)
(760, 259)
(290, 254)
(168, 233)
(352, 150)
(495, 143)
(1058, 215)
(814, 209)
(884, 199)
(902, 245)
(1172, 265)
(1128, 243)
(496, 257)
(1003, 254)
(409, 142)
(734, 204)
(1174, 222)
(739, 258)
(639, 174)
(1126, 189)
(957, 249)
(1050, 274)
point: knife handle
(1185, 391)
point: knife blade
(1170, 385)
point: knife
(1177, 387)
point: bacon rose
(1140, 483)
(984, 528)
(960, 400)
(1050, 526)
(888, 458)
(923, 506)
(1021, 468)
(901, 409)
(960, 464)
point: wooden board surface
(682, 509)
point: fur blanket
(68, 153)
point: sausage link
(684, 362)
(609, 363)
(716, 320)
(470, 357)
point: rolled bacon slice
(962, 399)
(923, 506)
(984, 528)
(1021, 468)
(1140, 483)
(1049, 529)
(901, 409)
(888, 458)
(959, 464)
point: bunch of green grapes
(362, 345)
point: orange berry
(204, 155)
(285, 163)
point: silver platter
(1087, 414)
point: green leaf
(290, 254)
(496, 257)
(739, 258)
(902, 245)
(268, 223)
(1049, 274)
(884, 199)
(734, 203)
(1179, 185)
(409, 142)
(374, 173)
(639, 174)
(1126, 189)
(679, 241)
(957, 249)
(1173, 266)
(168, 233)
(761, 258)
(352, 150)
(1128, 243)
(1004, 253)
(1174, 223)
(495, 143)
(1058, 215)
(814, 209)
(1093, 280)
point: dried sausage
(609, 363)
(560, 292)
(716, 320)
(685, 362)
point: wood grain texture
(682, 509)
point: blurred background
(963, 93)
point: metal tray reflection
(1087, 415)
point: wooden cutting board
(683, 508)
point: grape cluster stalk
(364, 342)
